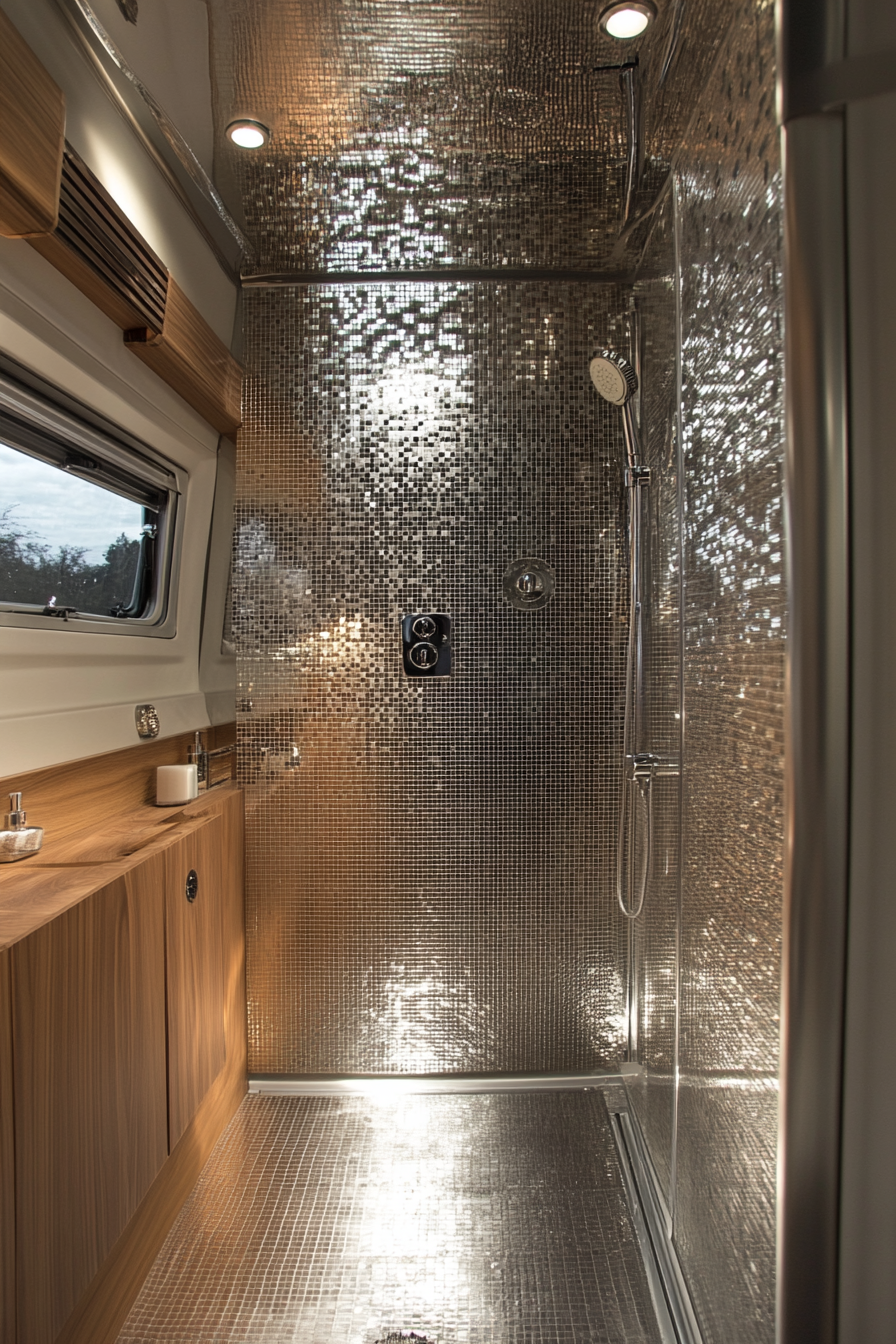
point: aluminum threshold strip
(674, 1311)
(340, 1087)
(447, 275)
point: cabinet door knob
(192, 885)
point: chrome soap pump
(17, 839)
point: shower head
(613, 376)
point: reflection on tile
(497, 1219)
(430, 862)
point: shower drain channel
(400, 1336)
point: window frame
(46, 424)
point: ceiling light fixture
(248, 134)
(627, 19)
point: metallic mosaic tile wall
(465, 1219)
(443, 133)
(429, 861)
(730, 266)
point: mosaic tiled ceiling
(413, 134)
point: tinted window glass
(65, 541)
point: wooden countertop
(34, 891)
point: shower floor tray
(463, 1219)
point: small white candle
(176, 784)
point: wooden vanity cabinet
(89, 1062)
(122, 1057)
(7, 1165)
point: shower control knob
(424, 655)
(426, 644)
(530, 584)
(424, 627)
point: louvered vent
(93, 227)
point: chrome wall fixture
(616, 381)
(529, 584)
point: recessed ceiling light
(248, 134)
(627, 19)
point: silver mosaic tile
(429, 861)
(494, 1219)
(445, 134)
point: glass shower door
(653, 936)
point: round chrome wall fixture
(529, 584)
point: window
(87, 519)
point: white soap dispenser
(17, 839)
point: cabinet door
(7, 1165)
(88, 1003)
(194, 945)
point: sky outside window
(62, 510)
(65, 542)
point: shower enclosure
(433, 865)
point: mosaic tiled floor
(483, 1219)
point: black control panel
(426, 644)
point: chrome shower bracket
(637, 476)
(644, 765)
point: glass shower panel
(654, 935)
(729, 216)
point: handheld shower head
(613, 376)
(617, 382)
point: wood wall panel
(89, 1080)
(194, 933)
(7, 1165)
(192, 360)
(32, 135)
(82, 797)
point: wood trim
(7, 1165)
(32, 134)
(103, 1309)
(82, 797)
(188, 355)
